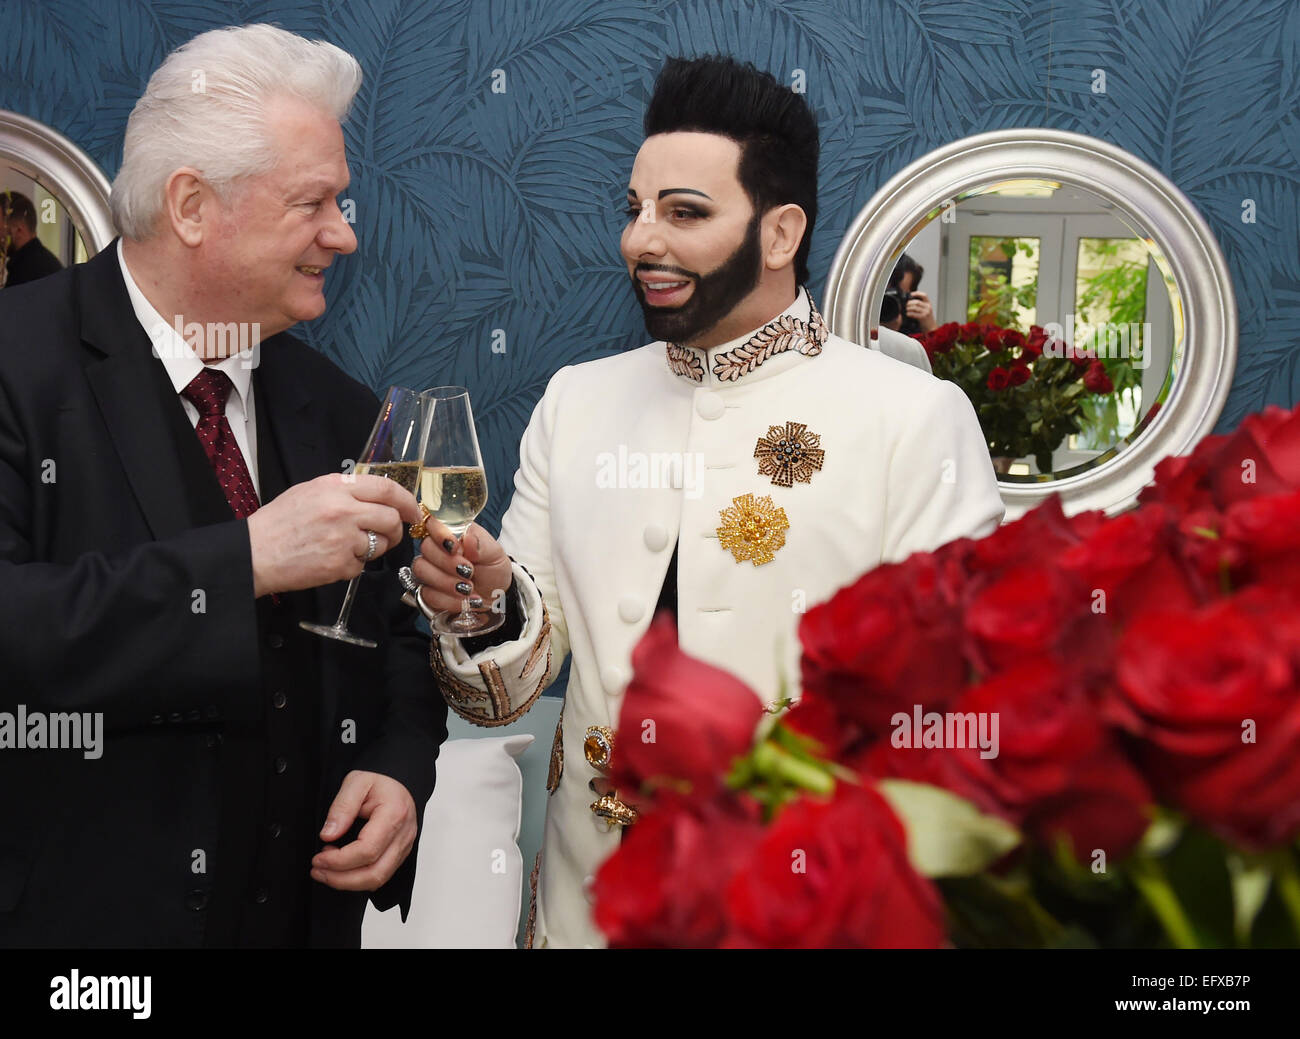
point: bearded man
(744, 464)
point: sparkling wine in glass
(395, 450)
(453, 488)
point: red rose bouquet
(1076, 731)
(1028, 390)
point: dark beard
(716, 294)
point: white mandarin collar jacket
(628, 455)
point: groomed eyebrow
(673, 191)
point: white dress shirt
(183, 364)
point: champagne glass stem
(466, 614)
(345, 611)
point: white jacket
(595, 516)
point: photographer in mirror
(904, 309)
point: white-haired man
(165, 524)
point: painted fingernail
(475, 603)
(464, 587)
(449, 545)
(464, 569)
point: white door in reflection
(1050, 256)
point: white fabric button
(709, 405)
(613, 678)
(630, 609)
(656, 538)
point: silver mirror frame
(1140, 192)
(62, 169)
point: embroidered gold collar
(780, 335)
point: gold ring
(418, 529)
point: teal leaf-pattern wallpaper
(483, 214)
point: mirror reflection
(37, 234)
(1055, 313)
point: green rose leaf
(947, 836)
(1250, 878)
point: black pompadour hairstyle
(773, 125)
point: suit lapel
(286, 409)
(293, 425)
(133, 393)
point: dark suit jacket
(30, 262)
(101, 563)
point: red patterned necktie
(208, 392)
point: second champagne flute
(453, 488)
(395, 451)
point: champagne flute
(395, 450)
(453, 489)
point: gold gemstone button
(598, 746)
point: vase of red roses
(1027, 390)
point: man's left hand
(383, 843)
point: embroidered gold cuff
(491, 705)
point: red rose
(875, 645)
(818, 718)
(1054, 347)
(1034, 342)
(834, 874)
(1079, 356)
(1187, 679)
(1213, 695)
(962, 772)
(1025, 610)
(1264, 535)
(1128, 566)
(1040, 535)
(1012, 339)
(663, 886)
(972, 330)
(999, 379)
(942, 339)
(1095, 379)
(1261, 458)
(1019, 374)
(682, 721)
(992, 336)
(1057, 771)
(1182, 481)
(1214, 559)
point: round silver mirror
(67, 190)
(1075, 295)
